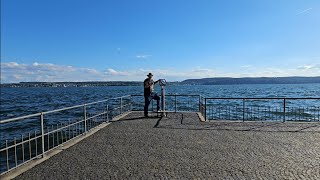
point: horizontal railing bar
(183, 95)
(47, 133)
(96, 102)
(97, 115)
(119, 107)
(25, 162)
(18, 118)
(71, 139)
(269, 98)
(171, 95)
(62, 109)
(25, 141)
(77, 106)
(57, 110)
(53, 131)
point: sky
(111, 40)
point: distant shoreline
(203, 81)
(250, 80)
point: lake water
(23, 101)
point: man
(149, 94)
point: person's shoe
(146, 116)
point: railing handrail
(195, 95)
(288, 98)
(57, 110)
(18, 118)
(171, 95)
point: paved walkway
(154, 148)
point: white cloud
(304, 11)
(143, 56)
(15, 72)
(12, 65)
(113, 72)
(246, 66)
(309, 67)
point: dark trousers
(147, 102)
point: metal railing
(174, 103)
(45, 131)
(42, 132)
(262, 109)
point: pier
(196, 137)
(180, 146)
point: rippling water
(23, 101)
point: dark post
(42, 133)
(200, 103)
(85, 117)
(284, 109)
(205, 109)
(243, 104)
(121, 105)
(175, 102)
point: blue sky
(81, 40)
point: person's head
(150, 75)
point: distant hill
(249, 80)
(204, 81)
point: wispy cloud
(304, 11)
(246, 66)
(310, 67)
(143, 56)
(113, 72)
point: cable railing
(26, 138)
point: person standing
(149, 94)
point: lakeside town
(70, 84)
(203, 81)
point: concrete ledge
(117, 118)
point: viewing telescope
(163, 83)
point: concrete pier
(179, 146)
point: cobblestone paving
(155, 148)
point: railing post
(284, 109)
(131, 103)
(200, 103)
(121, 105)
(42, 133)
(175, 102)
(243, 104)
(107, 113)
(85, 117)
(205, 109)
